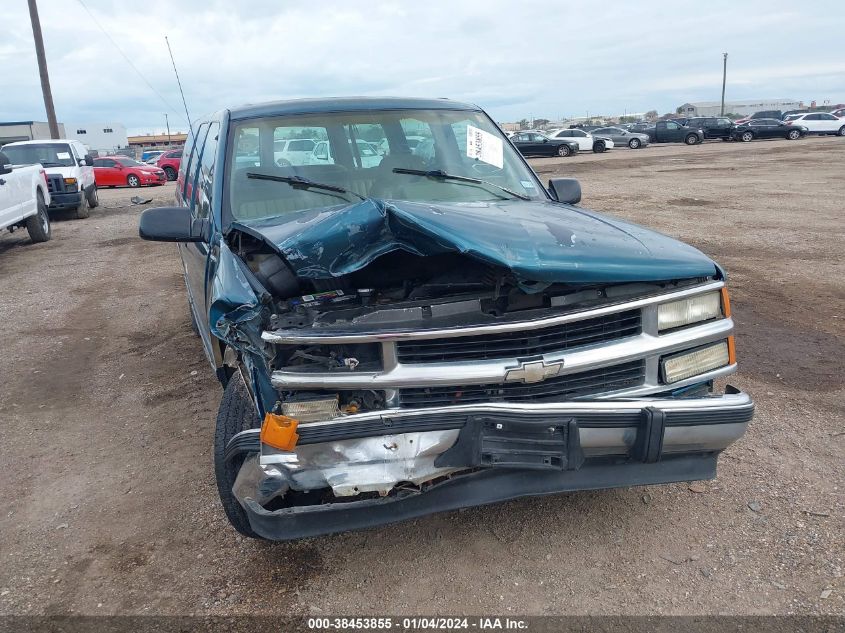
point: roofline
(327, 105)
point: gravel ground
(107, 409)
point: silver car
(620, 137)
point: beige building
(12, 131)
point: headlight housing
(698, 361)
(695, 309)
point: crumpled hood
(536, 240)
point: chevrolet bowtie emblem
(535, 371)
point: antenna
(178, 81)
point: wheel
(841, 131)
(170, 173)
(599, 147)
(94, 198)
(83, 210)
(38, 225)
(794, 134)
(563, 150)
(634, 143)
(133, 181)
(236, 414)
(745, 137)
(691, 139)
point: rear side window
(188, 192)
(205, 177)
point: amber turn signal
(279, 431)
(726, 303)
(731, 351)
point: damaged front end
(421, 361)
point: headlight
(689, 364)
(687, 311)
(311, 409)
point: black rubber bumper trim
(482, 487)
(349, 430)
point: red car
(169, 162)
(120, 171)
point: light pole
(167, 123)
(724, 76)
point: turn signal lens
(70, 181)
(279, 431)
(699, 361)
(688, 311)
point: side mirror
(566, 190)
(5, 165)
(88, 160)
(172, 224)
(545, 140)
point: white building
(746, 107)
(103, 138)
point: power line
(129, 61)
(178, 81)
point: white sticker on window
(485, 147)
(63, 155)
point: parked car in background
(151, 153)
(713, 127)
(69, 168)
(120, 171)
(169, 163)
(818, 123)
(537, 144)
(296, 151)
(839, 114)
(763, 114)
(674, 132)
(24, 198)
(412, 339)
(586, 140)
(768, 128)
(621, 137)
(324, 155)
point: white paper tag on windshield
(485, 147)
(63, 155)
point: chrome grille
(557, 389)
(522, 344)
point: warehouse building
(100, 138)
(11, 131)
(749, 106)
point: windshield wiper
(439, 174)
(298, 182)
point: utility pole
(724, 76)
(167, 123)
(42, 69)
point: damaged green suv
(407, 321)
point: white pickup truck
(24, 198)
(70, 172)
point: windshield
(128, 162)
(455, 156)
(48, 154)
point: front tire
(634, 143)
(170, 173)
(83, 210)
(133, 181)
(795, 134)
(38, 225)
(563, 151)
(599, 147)
(691, 139)
(236, 414)
(746, 137)
(841, 131)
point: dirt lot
(107, 407)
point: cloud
(540, 58)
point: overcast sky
(516, 59)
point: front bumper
(62, 201)
(428, 460)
